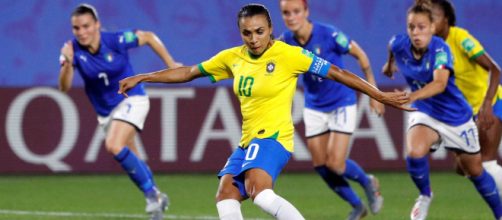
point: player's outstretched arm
(151, 39)
(177, 75)
(395, 99)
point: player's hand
(389, 69)
(67, 52)
(397, 99)
(485, 116)
(377, 107)
(128, 83)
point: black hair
(251, 10)
(422, 6)
(83, 9)
(448, 9)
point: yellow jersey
(470, 77)
(265, 87)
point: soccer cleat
(375, 198)
(421, 208)
(358, 212)
(155, 207)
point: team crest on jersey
(270, 67)
(109, 57)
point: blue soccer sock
(354, 172)
(339, 185)
(486, 187)
(418, 168)
(137, 170)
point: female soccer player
(330, 107)
(444, 118)
(265, 73)
(477, 76)
(102, 60)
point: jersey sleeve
(443, 58)
(469, 45)
(127, 39)
(216, 68)
(341, 42)
(305, 61)
(395, 42)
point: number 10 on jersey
(245, 85)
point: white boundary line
(103, 215)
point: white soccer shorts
(342, 119)
(133, 110)
(463, 137)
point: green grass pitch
(192, 197)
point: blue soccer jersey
(103, 70)
(330, 44)
(450, 106)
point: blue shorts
(266, 154)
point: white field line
(104, 215)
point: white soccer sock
(277, 206)
(495, 171)
(229, 209)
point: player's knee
(111, 147)
(474, 170)
(253, 189)
(338, 166)
(227, 193)
(417, 151)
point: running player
(102, 60)
(330, 107)
(265, 74)
(477, 76)
(444, 118)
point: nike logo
(244, 164)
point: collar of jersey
(255, 57)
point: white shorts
(462, 138)
(342, 119)
(132, 110)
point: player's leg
(228, 199)
(420, 138)
(121, 133)
(490, 140)
(337, 160)
(264, 160)
(126, 119)
(231, 192)
(483, 182)
(317, 133)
